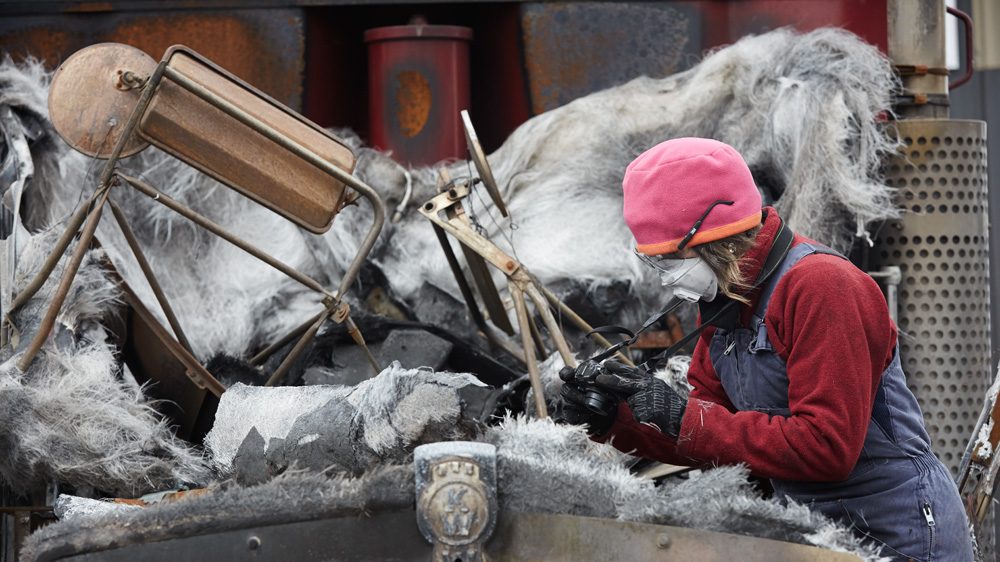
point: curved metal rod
(308, 155)
(969, 47)
(373, 233)
(218, 230)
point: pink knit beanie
(670, 186)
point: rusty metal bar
(463, 284)
(264, 129)
(140, 257)
(550, 322)
(536, 336)
(274, 347)
(359, 339)
(524, 326)
(72, 228)
(49, 320)
(219, 231)
(289, 360)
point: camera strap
(632, 337)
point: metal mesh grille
(941, 246)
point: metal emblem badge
(456, 498)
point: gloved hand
(651, 400)
(573, 404)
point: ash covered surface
(542, 467)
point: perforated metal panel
(941, 246)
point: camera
(585, 376)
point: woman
(797, 374)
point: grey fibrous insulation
(74, 416)
(802, 108)
(338, 428)
(69, 508)
(542, 467)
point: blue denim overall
(899, 494)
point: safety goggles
(667, 268)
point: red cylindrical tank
(418, 82)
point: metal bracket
(456, 493)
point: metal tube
(286, 363)
(550, 322)
(529, 349)
(271, 349)
(536, 336)
(581, 323)
(916, 37)
(359, 339)
(49, 320)
(147, 271)
(72, 228)
(295, 148)
(219, 231)
(463, 284)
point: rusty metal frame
(89, 215)
(447, 216)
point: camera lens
(600, 403)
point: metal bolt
(663, 540)
(509, 265)
(452, 193)
(253, 543)
(429, 206)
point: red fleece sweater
(829, 321)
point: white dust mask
(690, 279)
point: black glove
(650, 399)
(575, 408)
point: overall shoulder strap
(794, 255)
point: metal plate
(941, 247)
(86, 106)
(203, 135)
(482, 165)
(187, 394)
(392, 535)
